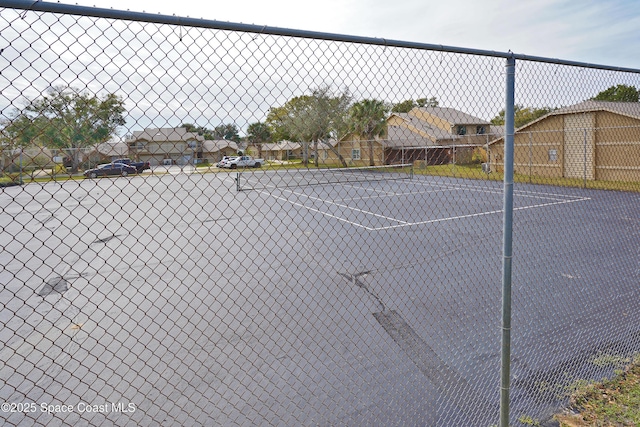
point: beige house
(435, 135)
(215, 150)
(166, 146)
(356, 150)
(283, 150)
(326, 152)
(35, 157)
(31, 157)
(592, 140)
(107, 152)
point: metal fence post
(21, 150)
(530, 157)
(584, 168)
(507, 244)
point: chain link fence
(307, 229)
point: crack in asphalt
(439, 373)
(106, 239)
(355, 280)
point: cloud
(170, 75)
(589, 30)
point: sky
(170, 75)
(593, 31)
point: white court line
(336, 204)
(323, 213)
(409, 193)
(431, 221)
(523, 193)
(457, 187)
(359, 187)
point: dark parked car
(140, 166)
(111, 169)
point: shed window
(553, 155)
(462, 130)
(355, 154)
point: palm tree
(257, 134)
(367, 118)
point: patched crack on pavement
(355, 280)
(46, 220)
(446, 379)
(222, 218)
(85, 275)
(56, 284)
(105, 239)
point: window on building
(462, 130)
(553, 155)
(355, 154)
(481, 130)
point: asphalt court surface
(367, 206)
(338, 304)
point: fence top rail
(40, 6)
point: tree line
(67, 118)
(316, 118)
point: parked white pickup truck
(243, 162)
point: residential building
(436, 135)
(283, 150)
(215, 150)
(166, 146)
(432, 135)
(591, 140)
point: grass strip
(611, 403)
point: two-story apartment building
(435, 135)
(166, 146)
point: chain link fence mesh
(308, 231)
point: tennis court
(298, 304)
(423, 255)
(383, 198)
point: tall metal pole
(584, 172)
(530, 156)
(507, 241)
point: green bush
(479, 156)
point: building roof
(401, 137)
(453, 116)
(331, 142)
(434, 132)
(289, 145)
(629, 109)
(164, 135)
(113, 149)
(214, 146)
(416, 132)
(281, 146)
